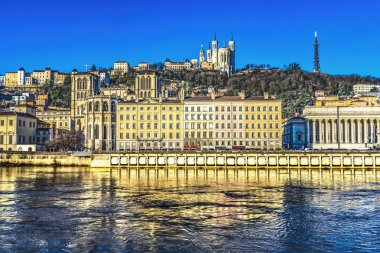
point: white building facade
(354, 127)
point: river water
(94, 210)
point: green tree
(343, 90)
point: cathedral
(222, 59)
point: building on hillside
(11, 79)
(42, 101)
(59, 78)
(294, 134)
(367, 88)
(178, 66)
(150, 124)
(42, 76)
(104, 79)
(32, 82)
(2, 80)
(222, 59)
(143, 66)
(347, 124)
(194, 63)
(320, 95)
(120, 68)
(24, 98)
(18, 129)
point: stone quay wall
(271, 159)
(43, 159)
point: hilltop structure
(222, 59)
(317, 67)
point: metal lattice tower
(317, 68)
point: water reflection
(92, 210)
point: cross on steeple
(86, 65)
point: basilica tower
(215, 50)
(209, 54)
(201, 55)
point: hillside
(295, 87)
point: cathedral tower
(317, 68)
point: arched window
(96, 132)
(78, 110)
(84, 83)
(96, 107)
(113, 106)
(79, 83)
(149, 83)
(90, 107)
(78, 95)
(105, 107)
(104, 132)
(143, 83)
(148, 94)
(141, 94)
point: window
(11, 122)
(2, 123)
(1, 139)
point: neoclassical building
(345, 127)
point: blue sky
(67, 34)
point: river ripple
(92, 210)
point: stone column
(346, 131)
(353, 131)
(372, 125)
(334, 131)
(365, 122)
(320, 131)
(314, 136)
(360, 131)
(378, 130)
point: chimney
(212, 95)
(266, 95)
(193, 94)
